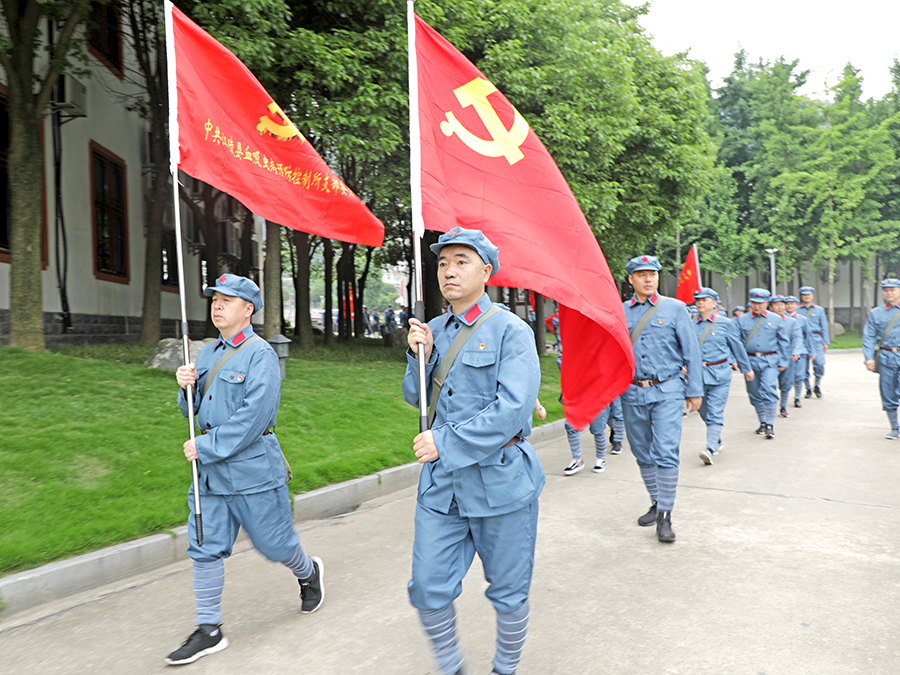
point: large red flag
(483, 167)
(689, 281)
(233, 136)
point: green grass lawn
(91, 455)
(849, 340)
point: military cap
(804, 290)
(759, 295)
(791, 298)
(643, 262)
(475, 240)
(705, 292)
(777, 298)
(739, 308)
(238, 287)
(890, 282)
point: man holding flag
(480, 478)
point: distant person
(820, 340)
(881, 350)
(738, 311)
(480, 480)
(389, 324)
(768, 346)
(797, 350)
(801, 367)
(241, 466)
(376, 322)
(366, 320)
(404, 317)
(719, 349)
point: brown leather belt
(715, 363)
(513, 441)
(761, 353)
(889, 349)
(815, 332)
(646, 384)
(265, 433)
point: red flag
(483, 167)
(236, 138)
(689, 281)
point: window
(169, 262)
(105, 34)
(110, 216)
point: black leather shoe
(797, 403)
(664, 527)
(818, 392)
(762, 428)
(808, 394)
(648, 518)
(770, 431)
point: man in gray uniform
(480, 480)
(819, 337)
(237, 389)
(881, 350)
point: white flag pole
(418, 223)
(174, 160)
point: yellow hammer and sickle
(283, 130)
(505, 142)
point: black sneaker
(206, 639)
(783, 412)
(808, 394)
(616, 449)
(762, 428)
(574, 467)
(706, 455)
(797, 403)
(818, 391)
(312, 590)
(648, 518)
(664, 530)
(770, 431)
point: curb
(56, 580)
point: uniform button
(503, 460)
(449, 392)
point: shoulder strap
(636, 333)
(440, 375)
(221, 362)
(889, 326)
(755, 328)
(706, 332)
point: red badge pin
(480, 345)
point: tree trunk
(26, 160)
(832, 264)
(728, 305)
(327, 321)
(359, 318)
(852, 308)
(434, 301)
(303, 325)
(272, 281)
(540, 329)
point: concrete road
(786, 564)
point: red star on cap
(644, 259)
(222, 279)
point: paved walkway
(786, 564)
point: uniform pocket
(231, 384)
(505, 477)
(480, 375)
(251, 470)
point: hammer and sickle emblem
(505, 142)
(283, 129)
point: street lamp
(772, 252)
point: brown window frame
(124, 278)
(103, 54)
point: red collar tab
(654, 298)
(238, 339)
(473, 313)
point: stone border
(56, 580)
